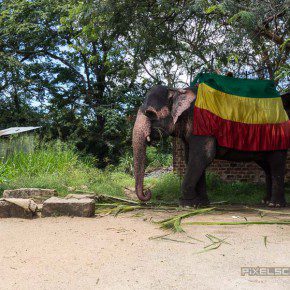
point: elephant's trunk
(141, 132)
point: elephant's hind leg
(201, 154)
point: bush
(126, 163)
(157, 159)
(54, 157)
(58, 165)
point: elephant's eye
(150, 114)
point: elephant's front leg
(201, 154)
(278, 192)
(202, 198)
(277, 163)
(194, 193)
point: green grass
(237, 192)
(57, 165)
(168, 188)
(234, 192)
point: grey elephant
(170, 112)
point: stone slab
(37, 194)
(17, 208)
(80, 196)
(55, 206)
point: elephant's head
(156, 118)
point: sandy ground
(116, 253)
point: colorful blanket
(242, 114)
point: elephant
(169, 112)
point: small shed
(16, 139)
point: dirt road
(116, 253)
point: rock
(17, 208)
(80, 196)
(159, 172)
(55, 206)
(130, 193)
(37, 194)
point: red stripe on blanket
(240, 136)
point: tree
(74, 52)
(81, 68)
(262, 29)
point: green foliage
(284, 44)
(219, 8)
(126, 163)
(67, 59)
(81, 68)
(58, 165)
(235, 192)
(233, 57)
(157, 159)
(282, 73)
(166, 188)
(56, 157)
(174, 223)
(242, 16)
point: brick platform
(228, 171)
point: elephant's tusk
(148, 138)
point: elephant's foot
(277, 202)
(201, 200)
(266, 200)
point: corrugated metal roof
(16, 130)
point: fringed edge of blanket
(241, 136)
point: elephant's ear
(182, 100)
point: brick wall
(228, 171)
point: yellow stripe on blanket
(241, 109)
